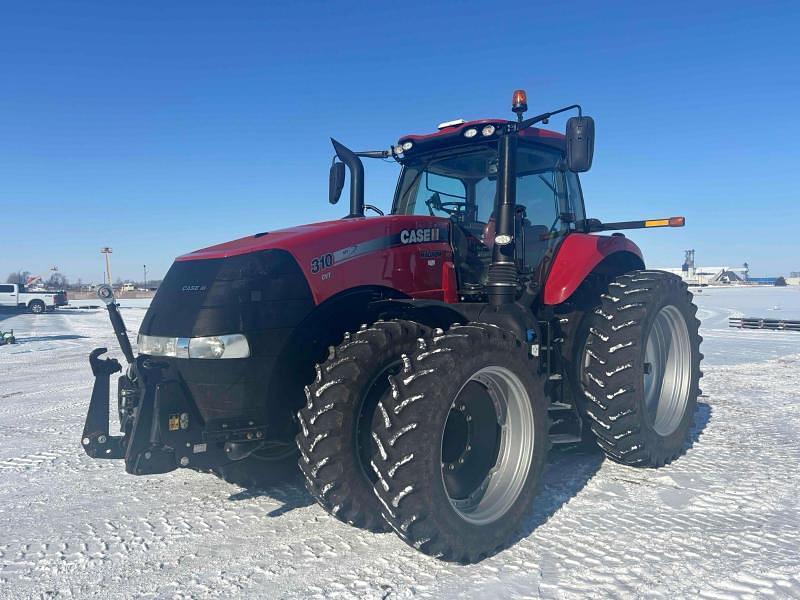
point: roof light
(502, 239)
(471, 132)
(452, 123)
(488, 130)
(519, 102)
(407, 146)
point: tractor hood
(292, 239)
(273, 280)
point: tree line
(59, 281)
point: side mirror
(335, 182)
(580, 143)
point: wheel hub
(471, 440)
(487, 445)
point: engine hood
(403, 252)
(290, 239)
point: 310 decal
(321, 262)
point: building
(694, 275)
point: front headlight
(155, 345)
(221, 346)
(217, 346)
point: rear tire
(335, 424)
(642, 368)
(37, 307)
(461, 444)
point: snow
(720, 522)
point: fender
(577, 256)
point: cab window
(575, 196)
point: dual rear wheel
(640, 368)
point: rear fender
(579, 255)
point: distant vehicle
(15, 295)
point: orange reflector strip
(657, 223)
(677, 221)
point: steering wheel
(453, 209)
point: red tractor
(417, 365)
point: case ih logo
(414, 236)
(193, 288)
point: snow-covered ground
(723, 521)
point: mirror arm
(545, 117)
(374, 153)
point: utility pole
(106, 250)
(145, 277)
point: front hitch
(96, 440)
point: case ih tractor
(418, 365)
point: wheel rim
(36, 308)
(487, 445)
(667, 370)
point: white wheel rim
(668, 371)
(504, 483)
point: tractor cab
(453, 174)
(509, 190)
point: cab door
(544, 215)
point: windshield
(462, 185)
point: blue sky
(158, 128)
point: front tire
(461, 443)
(642, 368)
(335, 424)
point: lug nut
(86, 441)
(259, 434)
(184, 461)
(147, 455)
(451, 467)
(102, 439)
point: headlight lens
(471, 132)
(221, 346)
(156, 345)
(488, 130)
(217, 346)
